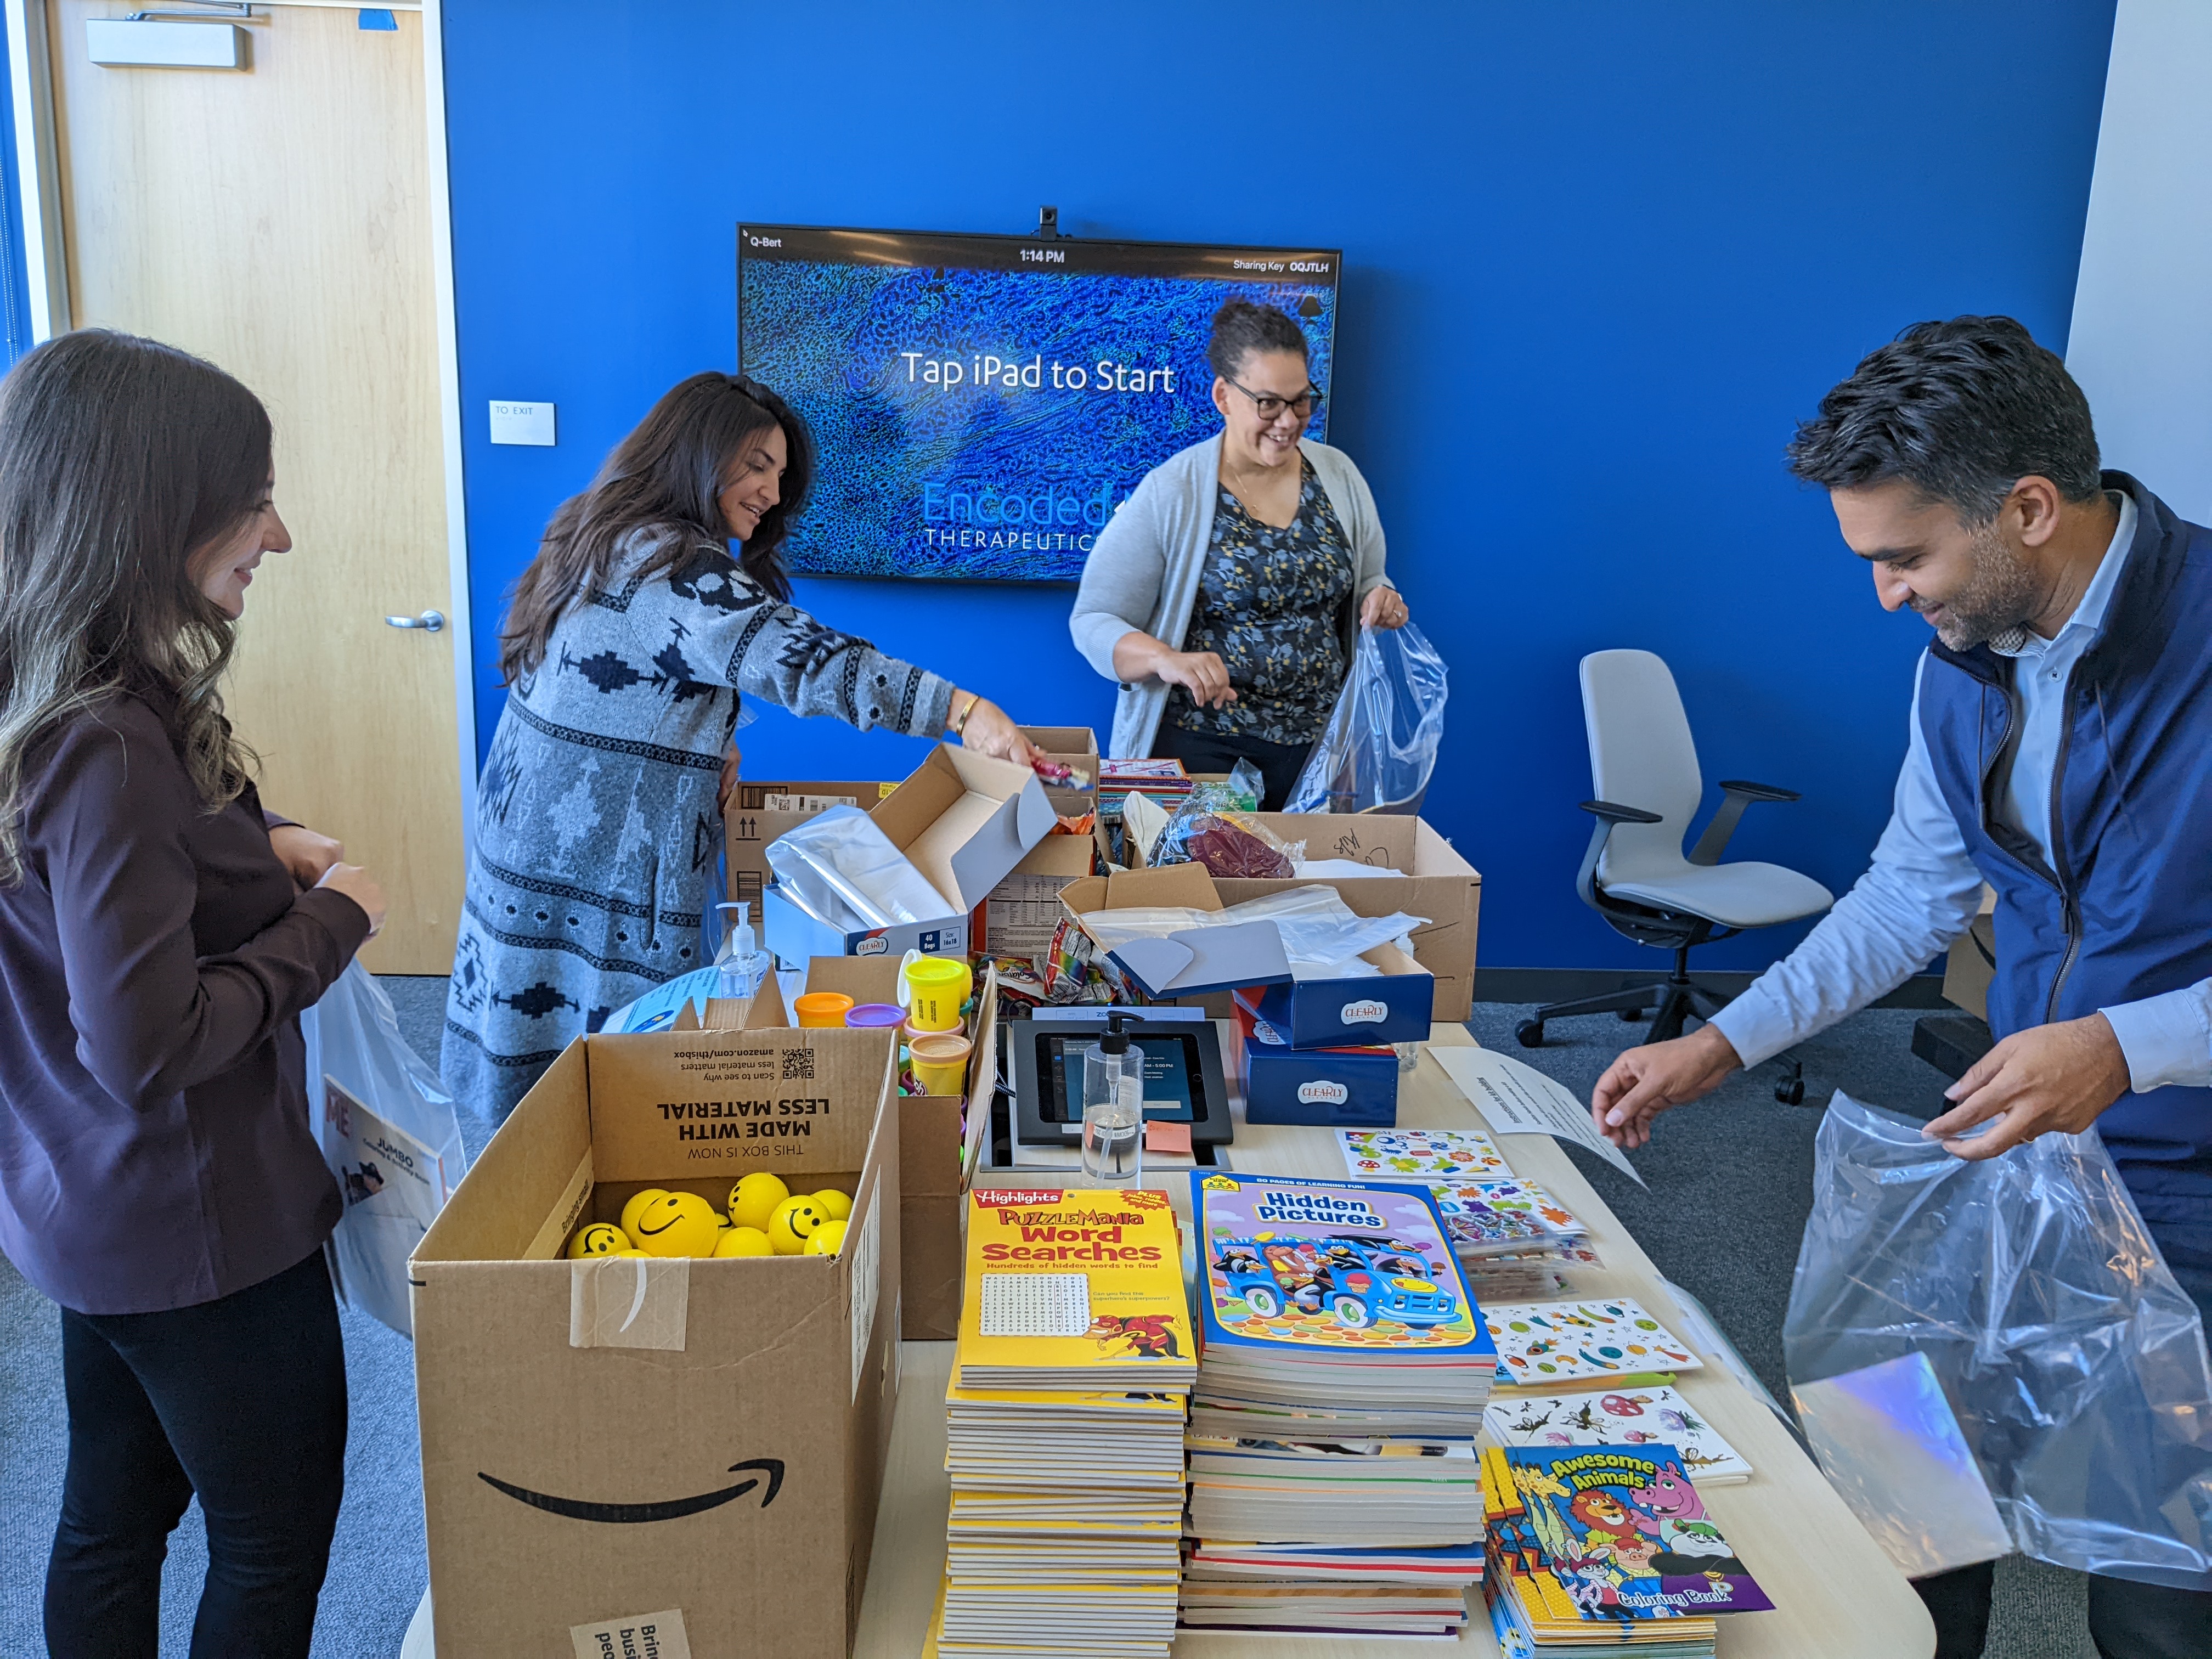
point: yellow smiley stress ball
(677, 1224)
(754, 1199)
(600, 1238)
(834, 1204)
(827, 1239)
(638, 1201)
(743, 1241)
(794, 1218)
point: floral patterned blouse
(1267, 606)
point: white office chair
(1643, 765)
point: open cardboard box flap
(1194, 960)
(964, 820)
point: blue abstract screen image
(981, 405)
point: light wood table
(1836, 1595)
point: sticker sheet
(1422, 1155)
(1540, 1342)
(1648, 1416)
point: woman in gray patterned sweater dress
(631, 638)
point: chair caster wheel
(1529, 1033)
(1633, 1016)
(1791, 1093)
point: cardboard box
(1190, 963)
(695, 1444)
(1074, 746)
(1973, 961)
(939, 1138)
(1431, 880)
(1351, 1087)
(1023, 909)
(964, 821)
(758, 813)
(1315, 1013)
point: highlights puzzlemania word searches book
(1072, 1289)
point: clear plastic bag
(1382, 741)
(390, 1135)
(1210, 829)
(2075, 1365)
(842, 869)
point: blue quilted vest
(2126, 912)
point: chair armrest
(1735, 795)
(1758, 791)
(1607, 814)
(1613, 814)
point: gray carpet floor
(1730, 1183)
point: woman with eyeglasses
(1227, 593)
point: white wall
(2141, 340)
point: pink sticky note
(1167, 1137)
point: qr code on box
(1036, 1304)
(798, 1063)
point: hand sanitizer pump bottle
(1113, 1106)
(740, 964)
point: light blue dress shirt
(1923, 889)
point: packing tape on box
(634, 1636)
(628, 1302)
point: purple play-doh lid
(875, 1014)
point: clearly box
(693, 1444)
(1425, 878)
(1352, 1088)
(1391, 1008)
(964, 821)
(758, 813)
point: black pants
(242, 1400)
(1279, 764)
(2127, 1621)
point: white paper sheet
(1519, 1100)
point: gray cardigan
(1143, 572)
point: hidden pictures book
(1342, 1267)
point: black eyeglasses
(1267, 406)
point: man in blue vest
(2060, 751)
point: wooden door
(276, 220)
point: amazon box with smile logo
(682, 1456)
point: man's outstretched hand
(1644, 1082)
(2049, 1077)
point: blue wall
(1598, 259)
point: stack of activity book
(1515, 1240)
(1600, 1550)
(1163, 781)
(1065, 1426)
(1335, 1487)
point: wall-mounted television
(981, 404)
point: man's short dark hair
(1961, 410)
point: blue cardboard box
(1339, 1088)
(1315, 1013)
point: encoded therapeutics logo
(1321, 1092)
(1364, 1013)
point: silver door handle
(431, 620)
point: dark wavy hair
(665, 477)
(121, 460)
(1961, 410)
(1241, 328)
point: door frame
(30, 68)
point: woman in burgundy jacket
(159, 936)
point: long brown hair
(665, 477)
(120, 459)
